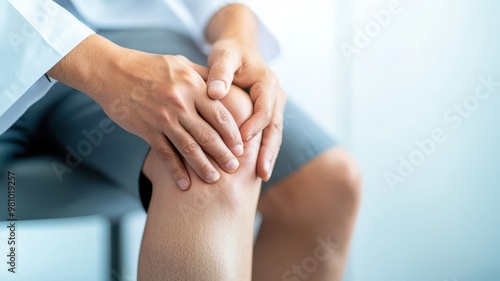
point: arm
(158, 98)
(237, 22)
(235, 58)
(35, 34)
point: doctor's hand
(159, 98)
(233, 62)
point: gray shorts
(70, 126)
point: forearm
(235, 21)
(101, 69)
(84, 66)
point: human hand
(233, 62)
(160, 98)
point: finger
(211, 142)
(168, 155)
(200, 69)
(271, 141)
(217, 115)
(193, 154)
(263, 95)
(222, 66)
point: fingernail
(232, 165)
(217, 86)
(238, 150)
(267, 167)
(212, 177)
(250, 137)
(183, 184)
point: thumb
(222, 66)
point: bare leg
(308, 220)
(206, 232)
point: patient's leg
(204, 233)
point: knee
(343, 178)
(239, 104)
(323, 191)
(335, 189)
(236, 191)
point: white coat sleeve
(203, 10)
(35, 35)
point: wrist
(85, 67)
(234, 22)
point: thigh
(24, 139)
(84, 137)
(28, 136)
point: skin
(204, 233)
(319, 201)
(194, 128)
(156, 97)
(235, 59)
(172, 116)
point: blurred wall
(410, 87)
(311, 73)
(424, 130)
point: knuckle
(176, 100)
(166, 154)
(277, 128)
(181, 58)
(172, 93)
(207, 138)
(265, 113)
(192, 79)
(222, 116)
(267, 116)
(166, 118)
(235, 137)
(185, 73)
(189, 149)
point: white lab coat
(36, 34)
